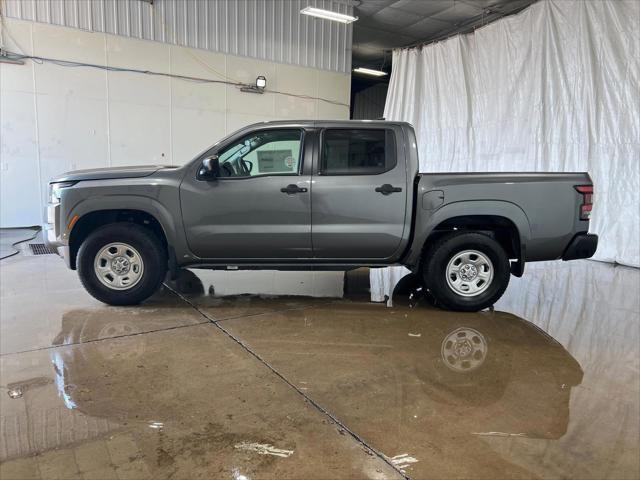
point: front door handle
(387, 189)
(293, 188)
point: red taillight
(587, 200)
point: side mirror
(210, 168)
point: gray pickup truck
(316, 195)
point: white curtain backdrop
(553, 88)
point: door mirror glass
(210, 168)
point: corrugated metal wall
(268, 29)
(368, 104)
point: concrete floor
(191, 385)
(11, 238)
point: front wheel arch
(91, 221)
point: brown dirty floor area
(192, 385)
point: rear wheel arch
(431, 225)
(500, 228)
(93, 220)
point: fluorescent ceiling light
(370, 71)
(328, 15)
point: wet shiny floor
(197, 385)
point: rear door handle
(293, 188)
(387, 189)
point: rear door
(359, 193)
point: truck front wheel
(466, 271)
(122, 264)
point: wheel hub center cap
(468, 272)
(463, 349)
(120, 265)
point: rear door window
(357, 151)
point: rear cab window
(363, 151)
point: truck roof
(338, 123)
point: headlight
(55, 190)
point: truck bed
(547, 202)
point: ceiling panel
(426, 28)
(382, 38)
(457, 13)
(393, 17)
(423, 8)
(369, 7)
(387, 24)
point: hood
(108, 173)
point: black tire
(434, 270)
(148, 246)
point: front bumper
(53, 235)
(583, 245)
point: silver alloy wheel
(469, 273)
(118, 266)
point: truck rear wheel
(466, 271)
(122, 264)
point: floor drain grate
(41, 249)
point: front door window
(267, 152)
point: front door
(259, 206)
(359, 194)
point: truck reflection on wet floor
(398, 376)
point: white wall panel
(272, 30)
(192, 130)
(84, 117)
(140, 133)
(235, 121)
(331, 87)
(51, 40)
(200, 64)
(19, 165)
(17, 79)
(72, 133)
(19, 175)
